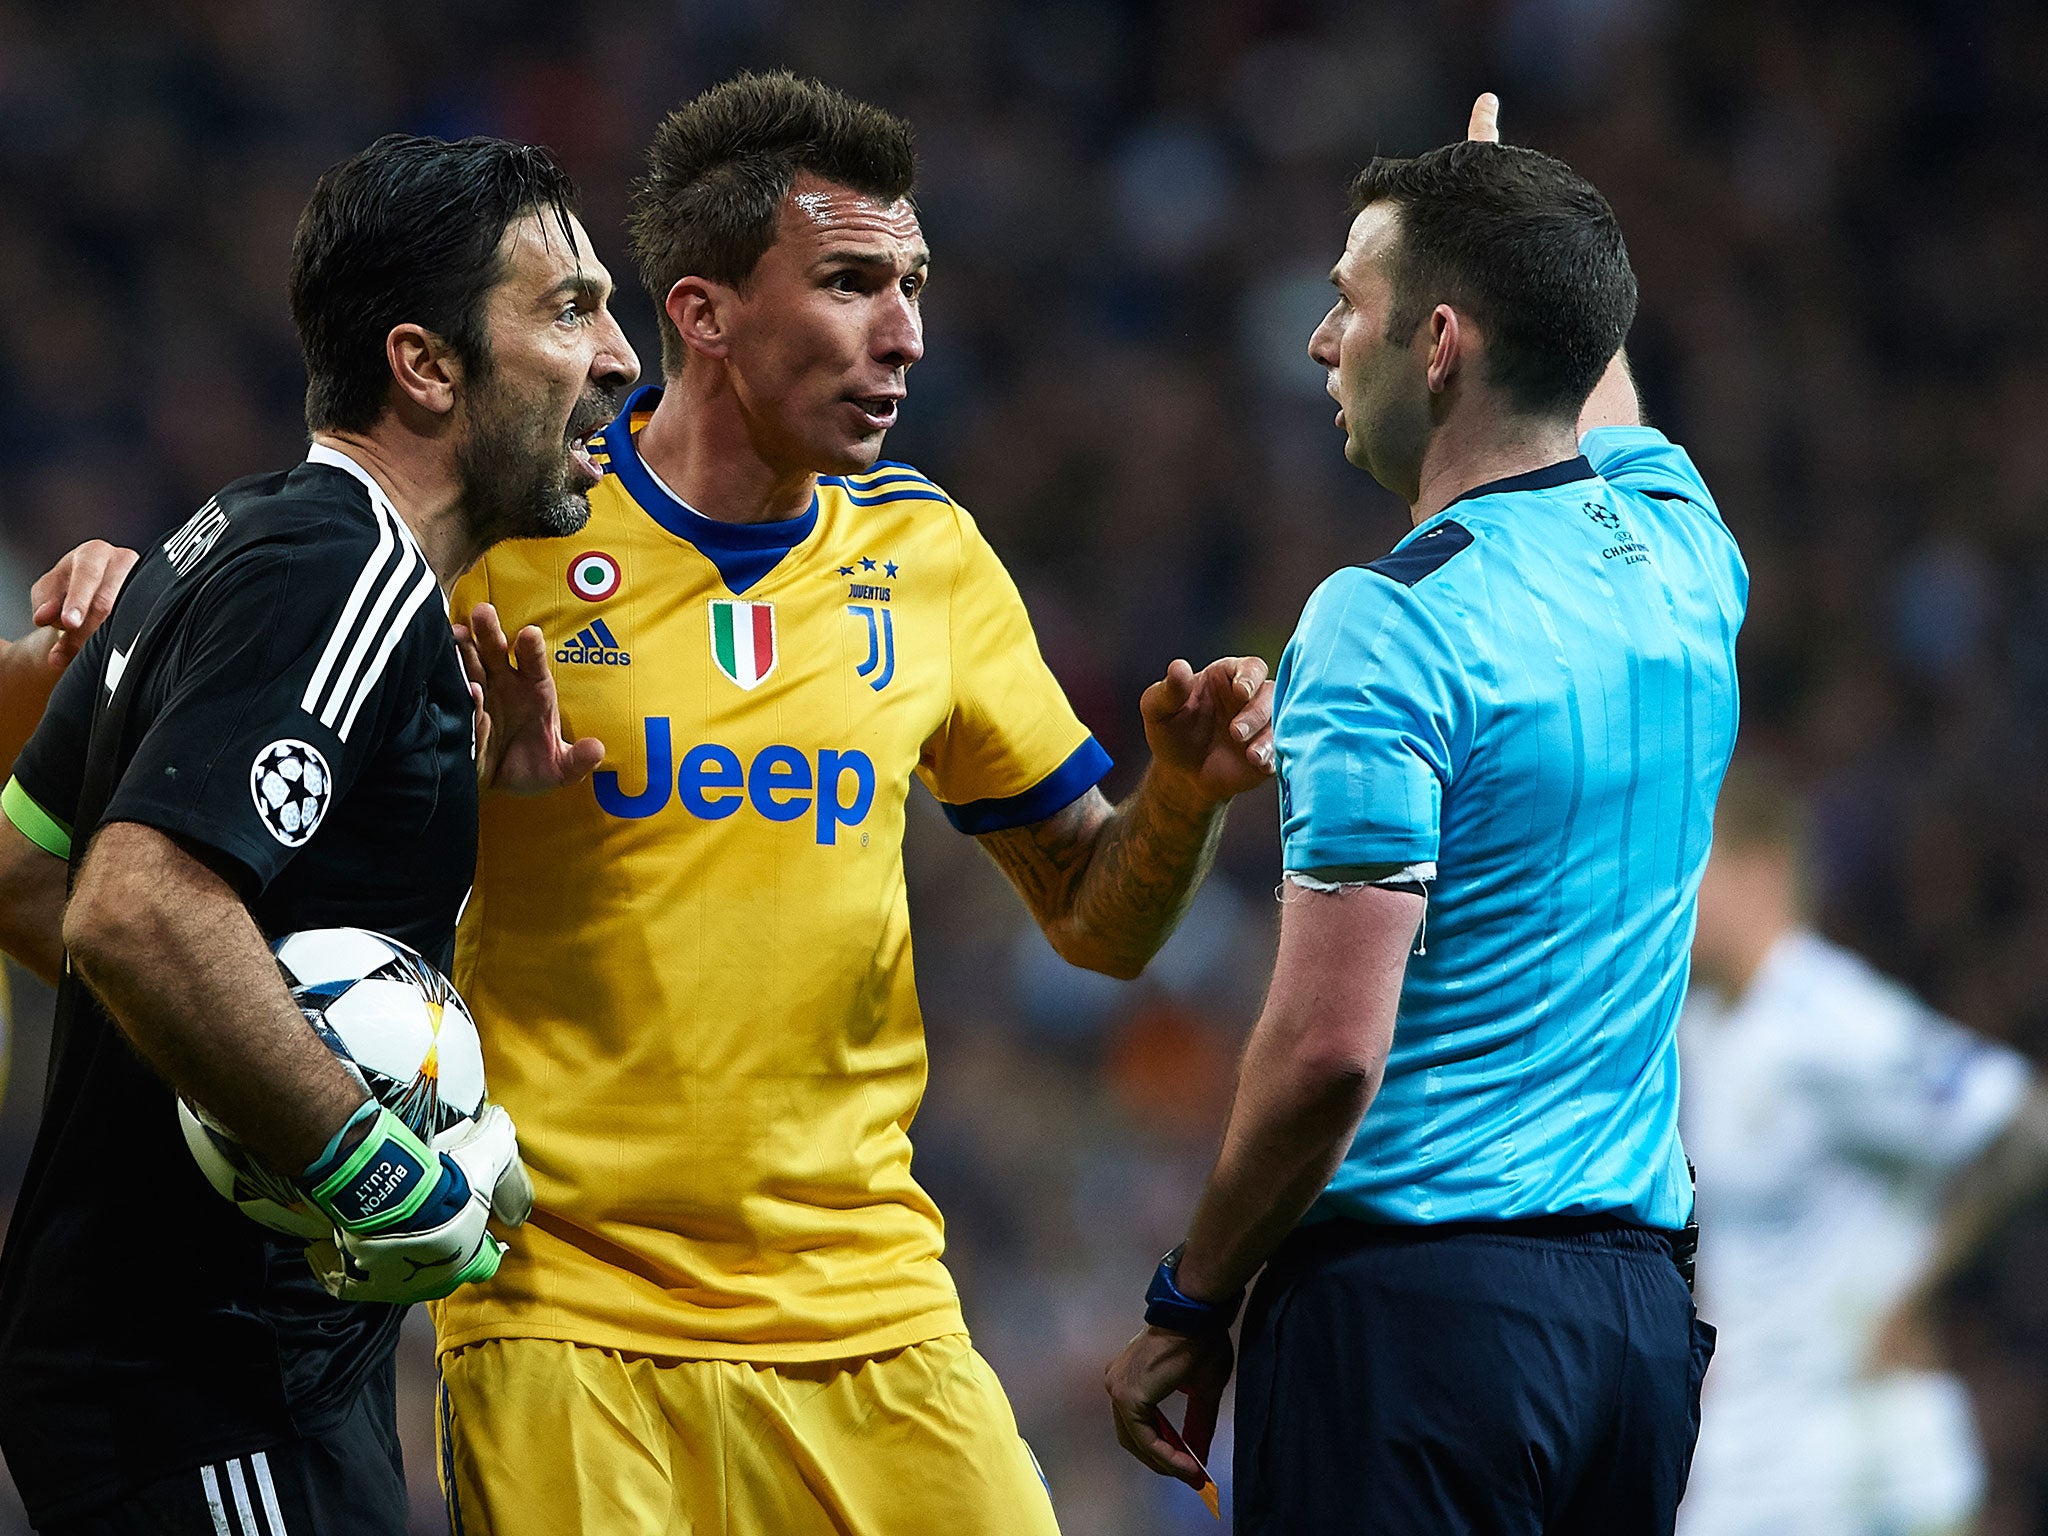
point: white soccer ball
(398, 1026)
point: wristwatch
(1167, 1306)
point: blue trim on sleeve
(1081, 772)
(883, 495)
(1418, 558)
(743, 552)
(886, 470)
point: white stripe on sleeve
(392, 636)
(367, 635)
(345, 625)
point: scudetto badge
(291, 786)
(593, 576)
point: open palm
(520, 745)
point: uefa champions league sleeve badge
(291, 786)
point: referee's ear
(1450, 334)
(425, 372)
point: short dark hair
(721, 165)
(1524, 245)
(407, 231)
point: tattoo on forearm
(1110, 885)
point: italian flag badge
(743, 640)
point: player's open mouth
(880, 410)
(590, 415)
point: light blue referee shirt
(1535, 694)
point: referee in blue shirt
(1454, 1147)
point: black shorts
(347, 1482)
(1514, 1379)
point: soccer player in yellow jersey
(729, 1313)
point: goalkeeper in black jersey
(168, 1364)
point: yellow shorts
(544, 1438)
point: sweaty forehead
(819, 211)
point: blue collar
(743, 552)
(1563, 473)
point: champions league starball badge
(291, 786)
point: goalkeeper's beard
(516, 476)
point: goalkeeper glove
(409, 1218)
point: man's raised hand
(76, 594)
(520, 746)
(1484, 128)
(1212, 728)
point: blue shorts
(1535, 1378)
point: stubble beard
(514, 472)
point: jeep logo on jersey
(291, 786)
(593, 576)
(781, 784)
(743, 640)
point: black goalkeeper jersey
(277, 686)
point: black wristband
(1167, 1306)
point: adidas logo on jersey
(593, 646)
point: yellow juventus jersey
(693, 972)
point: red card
(1173, 1438)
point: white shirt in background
(1825, 1111)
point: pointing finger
(1484, 128)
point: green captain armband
(33, 822)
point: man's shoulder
(1397, 617)
(1408, 585)
(310, 514)
(1827, 997)
(288, 526)
(1427, 554)
(890, 483)
(1644, 461)
(301, 550)
(1810, 968)
(902, 505)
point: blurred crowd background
(1841, 229)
